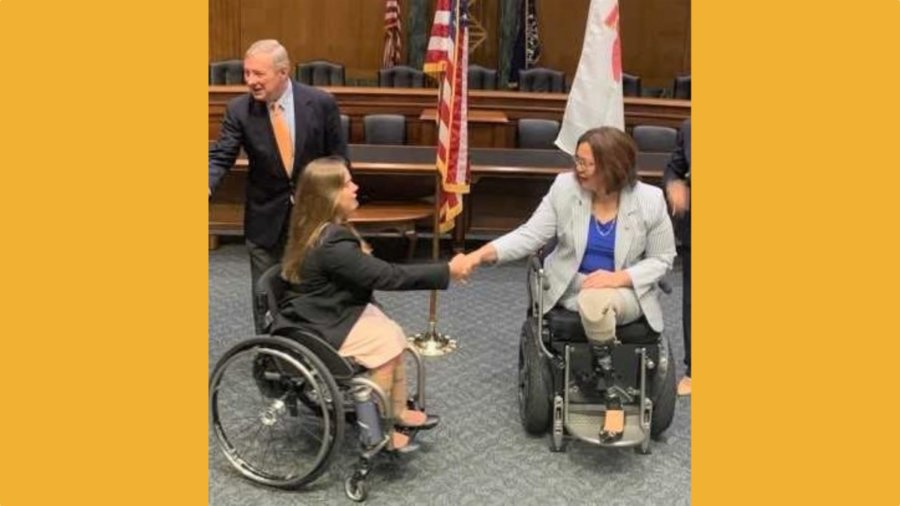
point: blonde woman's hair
(316, 205)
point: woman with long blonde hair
(332, 275)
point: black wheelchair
(279, 404)
(562, 389)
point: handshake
(462, 265)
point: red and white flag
(392, 32)
(447, 59)
(595, 98)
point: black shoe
(431, 421)
(403, 450)
(410, 447)
(607, 437)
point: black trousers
(260, 260)
(686, 304)
(682, 225)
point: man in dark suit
(677, 179)
(282, 125)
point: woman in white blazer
(614, 242)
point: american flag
(447, 60)
(392, 44)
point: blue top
(600, 250)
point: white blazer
(645, 243)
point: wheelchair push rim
(276, 411)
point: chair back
(654, 139)
(481, 78)
(682, 87)
(320, 73)
(544, 80)
(401, 76)
(385, 129)
(536, 133)
(226, 72)
(345, 127)
(631, 85)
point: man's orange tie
(282, 137)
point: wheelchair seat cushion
(566, 326)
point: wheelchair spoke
(246, 427)
(303, 428)
(268, 445)
(275, 413)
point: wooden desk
(413, 103)
(486, 128)
(507, 184)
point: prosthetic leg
(614, 420)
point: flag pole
(432, 343)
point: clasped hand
(462, 266)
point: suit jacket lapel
(260, 113)
(302, 111)
(624, 227)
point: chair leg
(412, 237)
(213, 242)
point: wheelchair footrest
(585, 422)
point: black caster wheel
(356, 489)
(557, 443)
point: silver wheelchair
(280, 404)
(562, 388)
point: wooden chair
(385, 217)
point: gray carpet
(479, 454)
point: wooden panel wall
(487, 12)
(225, 30)
(345, 31)
(655, 37)
(561, 26)
(655, 33)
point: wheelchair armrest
(665, 286)
(535, 265)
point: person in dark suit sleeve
(677, 180)
(331, 276)
(282, 125)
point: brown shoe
(684, 386)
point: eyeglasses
(582, 163)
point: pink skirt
(374, 339)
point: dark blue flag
(527, 49)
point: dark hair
(615, 157)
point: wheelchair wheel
(356, 489)
(276, 411)
(534, 385)
(663, 394)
